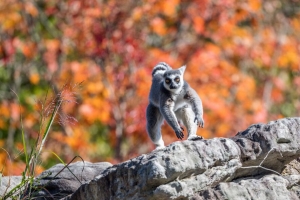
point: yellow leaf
(52, 44)
(137, 14)
(34, 78)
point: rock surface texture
(261, 162)
(247, 166)
(58, 182)
(8, 183)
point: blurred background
(242, 58)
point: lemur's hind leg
(186, 115)
(154, 122)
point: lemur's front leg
(197, 107)
(170, 117)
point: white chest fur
(180, 102)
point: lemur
(171, 98)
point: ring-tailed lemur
(172, 99)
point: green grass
(32, 157)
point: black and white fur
(172, 99)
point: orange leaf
(34, 78)
(198, 24)
(158, 26)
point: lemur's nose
(172, 86)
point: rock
(271, 187)
(292, 168)
(271, 145)
(57, 182)
(247, 166)
(261, 162)
(167, 173)
(265, 148)
(8, 183)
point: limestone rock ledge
(177, 171)
(258, 163)
(247, 166)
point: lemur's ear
(182, 69)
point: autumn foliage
(242, 58)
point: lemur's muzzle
(172, 86)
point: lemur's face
(173, 79)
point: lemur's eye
(177, 80)
(167, 81)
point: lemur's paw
(179, 133)
(195, 137)
(199, 121)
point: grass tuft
(48, 114)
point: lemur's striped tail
(160, 68)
